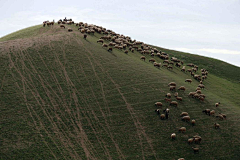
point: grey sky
(207, 27)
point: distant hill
(64, 97)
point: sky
(205, 27)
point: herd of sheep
(111, 40)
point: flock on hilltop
(111, 40)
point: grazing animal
(166, 110)
(190, 140)
(167, 100)
(186, 118)
(84, 36)
(70, 30)
(172, 84)
(143, 58)
(173, 136)
(109, 49)
(179, 98)
(100, 40)
(174, 103)
(207, 111)
(172, 88)
(217, 104)
(216, 125)
(162, 116)
(188, 80)
(158, 104)
(183, 114)
(158, 111)
(193, 122)
(182, 88)
(168, 95)
(196, 150)
(182, 129)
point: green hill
(64, 97)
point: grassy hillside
(63, 97)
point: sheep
(186, 118)
(158, 104)
(193, 122)
(196, 150)
(151, 60)
(167, 100)
(171, 88)
(176, 94)
(190, 140)
(172, 84)
(183, 114)
(196, 96)
(220, 117)
(216, 125)
(178, 65)
(182, 88)
(190, 65)
(165, 65)
(166, 61)
(197, 139)
(109, 49)
(100, 40)
(181, 159)
(84, 36)
(217, 104)
(188, 80)
(166, 110)
(70, 30)
(191, 94)
(183, 69)
(173, 136)
(170, 67)
(158, 111)
(201, 86)
(212, 112)
(143, 58)
(179, 98)
(198, 91)
(162, 116)
(168, 95)
(224, 115)
(104, 45)
(62, 26)
(206, 111)
(201, 98)
(202, 95)
(157, 64)
(182, 129)
(173, 103)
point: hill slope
(63, 97)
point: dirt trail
(140, 129)
(121, 156)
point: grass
(68, 98)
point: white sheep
(182, 129)
(174, 103)
(173, 136)
(184, 114)
(188, 80)
(186, 118)
(216, 125)
(217, 104)
(158, 104)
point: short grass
(69, 98)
